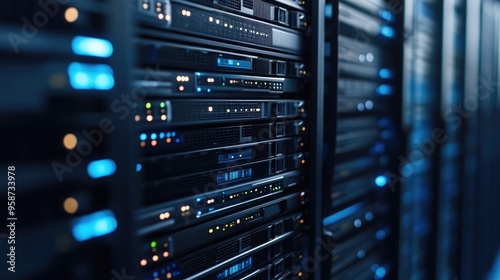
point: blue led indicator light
(138, 167)
(198, 89)
(93, 225)
(91, 76)
(384, 90)
(91, 46)
(381, 234)
(328, 10)
(386, 15)
(387, 31)
(162, 135)
(155, 274)
(358, 223)
(173, 134)
(177, 140)
(143, 137)
(385, 73)
(209, 90)
(199, 213)
(380, 272)
(198, 199)
(101, 168)
(169, 134)
(153, 136)
(381, 181)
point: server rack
(451, 152)
(480, 208)
(364, 82)
(70, 190)
(223, 132)
(419, 167)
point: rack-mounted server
(222, 137)
(361, 40)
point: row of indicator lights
(368, 217)
(154, 136)
(233, 196)
(154, 143)
(164, 216)
(368, 105)
(226, 226)
(168, 275)
(183, 79)
(368, 57)
(258, 83)
(217, 21)
(252, 191)
(242, 110)
(209, 201)
(148, 105)
(161, 17)
(95, 169)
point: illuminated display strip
(224, 177)
(88, 46)
(235, 269)
(94, 225)
(84, 76)
(351, 210)
(234, 63)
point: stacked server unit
(451, 157)
(220, 122)
(65, 181)
(361, 207)
(425, 135)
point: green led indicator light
(153, 244)
(148, 105)
(162, 105)
(223, 84)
